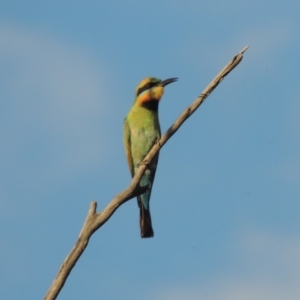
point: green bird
(141, 130)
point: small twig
(95, 220)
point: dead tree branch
(95, 220)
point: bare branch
(95, 220)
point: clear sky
(225, 203)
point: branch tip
(93, 208)
(244, 50)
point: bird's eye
(145, 87)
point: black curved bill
(167, 81)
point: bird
(141, 130)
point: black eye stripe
(147, 86)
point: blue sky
(225, 204)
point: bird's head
(151, 89)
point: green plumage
(141, 131)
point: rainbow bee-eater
(141, 131)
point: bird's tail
(145, 222)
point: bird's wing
(127, 144)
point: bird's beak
(167, 81)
